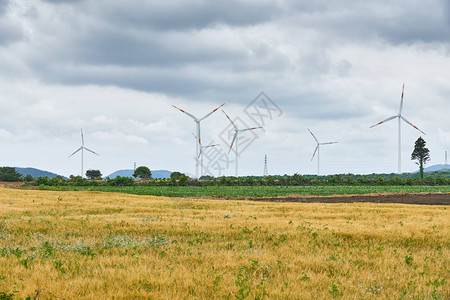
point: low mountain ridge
(36, 172)
(433, 168)
(159, 174)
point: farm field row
(255, 191)
(89, 244)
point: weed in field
(126, 241)
(27, 260)
(374, 288)
(151, 219)
(408, 259)
(217, 280)
(304, 277)
(246, 278)
(7, 295)
(58, 264)
(334, 291)
(47, 249)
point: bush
(28, 178)
(120, 181)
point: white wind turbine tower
(318, 151)
(197, 123)
(235, 138)
(399, 117)
(82, 148)
(200, 155)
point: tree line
(180, 179)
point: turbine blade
(253, 128)
(75, 152)
(82, 137)
(388, 119)
(313, 135)
(401, 101)
(329, 143)
(414, 126)
(185, 112)
(232, 142)
(91, 151)
(317, 147)
(215, 145)
(232, 123)
(213, 111)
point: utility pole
(446, 160)
(266, 172)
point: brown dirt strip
(405, 198)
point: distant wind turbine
(235, 138)
(200, 155)
(197, 123)
(318, 151)
(399, 117)
(82, 148)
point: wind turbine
(197, 123)
(200, 155)
(82, 148)
(318, 151)
(236, 131)
(399, 117)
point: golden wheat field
(86, 245)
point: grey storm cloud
(189, 47)
(186, 15)
(3, 7)
(394, 22)
(9, 32)
(158, 42)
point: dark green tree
(93, 174)
(9, 174)
(421, 154)
(142, 172)
(175, 175)
(183, 180)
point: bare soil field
(405, 198)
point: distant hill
(434, 168)
(129, 173)
(36, 172)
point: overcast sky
(115, 68)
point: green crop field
(255, 191)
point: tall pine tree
(421, 154)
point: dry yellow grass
(87, 245)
